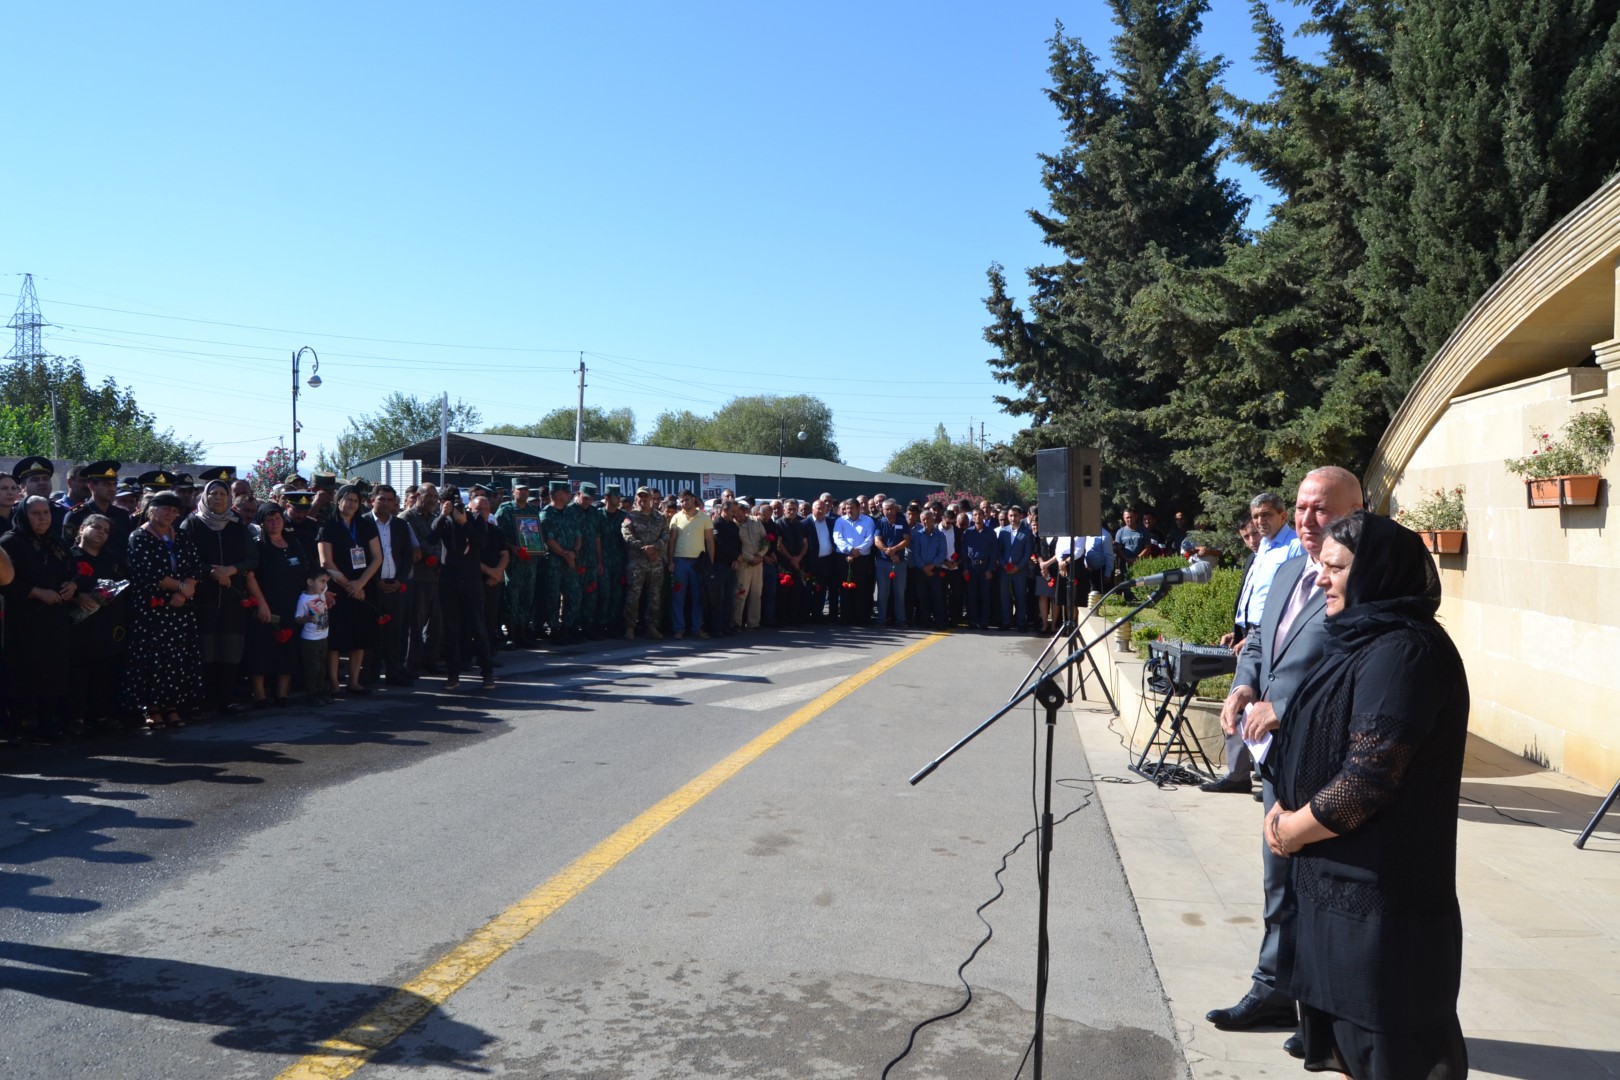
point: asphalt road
(218, 902)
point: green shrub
(1202, 613)
(1146, 567)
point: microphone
(1198, 572)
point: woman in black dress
(272, 650)
(1367, 772)
(101, 631)
(39, 605)
(223, 599)
(163, 676)
(351, 552)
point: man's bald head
(1325, 495)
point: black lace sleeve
(1396, 693)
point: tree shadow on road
(269, 1014)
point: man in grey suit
(1273, 663)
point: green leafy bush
(1145, 567)
(1202, 613)
(1587, 441)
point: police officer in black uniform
(102, 476)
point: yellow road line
(358, 1043)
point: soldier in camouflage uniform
(589, 521)
(519, 522)
(559, 527)
(613, 561)
(646, 535)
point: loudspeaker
(1069, 482)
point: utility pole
(579, 415)
(56, 429)
(981, 436)
(444, 432)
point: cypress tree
(1279, 377)
(1499, 119)
(1133, 195)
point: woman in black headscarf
(223, 597)
(39, 605)
(1367, 772)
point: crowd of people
(158, 600)
(193, 598)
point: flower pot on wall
(1562, 491)
(1444, 541)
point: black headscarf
(1392, 582)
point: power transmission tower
(27, 322)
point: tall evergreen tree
(1134, 195)
(1278, 375)
(1500, 118)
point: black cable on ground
(1528, 821)
(989, 932)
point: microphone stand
(1051, 697)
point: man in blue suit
(1274, 661)
(1014, 545)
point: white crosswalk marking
(782, 696)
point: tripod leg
(1591, 826)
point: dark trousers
(929, 589)
(855, 607)
(1276, 901)
(718, 589)
(1015, 595)
(462, 601)
(492, 615)
(829, 571)
(426, 645)
(981, 596)
(393, 638)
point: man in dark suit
(1274, 661)
(399, 554)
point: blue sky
(705, 199)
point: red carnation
(786, 580)
(158, 601)
(283, 636)
(580, 570)
(678, 586)
(402, 586)
(523, 554)
(955, 555)
(591, 587)
(967, 575)
(384, 620)
(1051, 583)
(771, 537)
(891, 575)
(742, 592)
(1012, 568)
(249, 602)
(431, 561)
(86, 570)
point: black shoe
(1229, 785)
(1253, 1011)
(1259, 796)
(1295, 1046)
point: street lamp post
(314, 381)
(781, 447)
